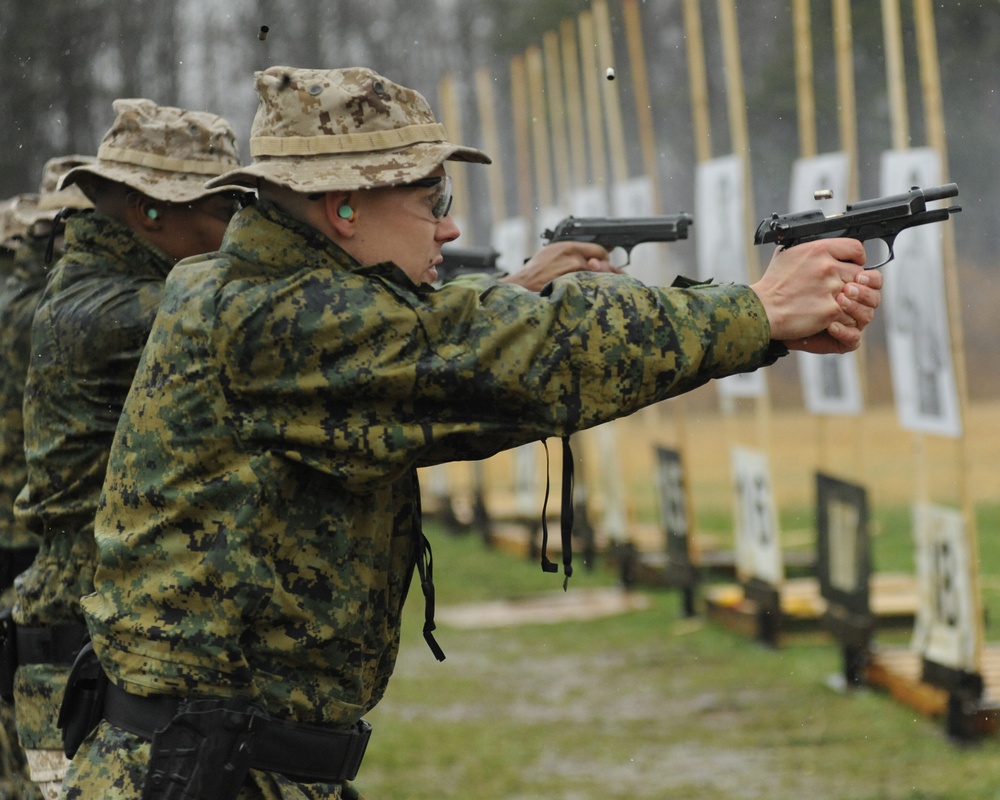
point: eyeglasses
(441, 200)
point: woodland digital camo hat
(342, 130)
(164, 152)
(51, 199)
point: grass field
(643, 705)
(651, 705)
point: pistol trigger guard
(890, 242)
(628, 256)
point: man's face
(406, 225)
(197, 227)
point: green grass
(647, 705)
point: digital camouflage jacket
(256, 531)
(89, 330)
(19, 293)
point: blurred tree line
(62, 62)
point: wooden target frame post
(966, 690)
(756, 605)
(852, 613)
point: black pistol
(882, 218)
(467, 260)
(623, 232)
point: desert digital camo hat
(51, 199)
(12, 230)
(164, 152)
(342, 130)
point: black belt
(14, 561)
(305, 753)
(54, 644)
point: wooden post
(574, 103)
(643, 103)
(843, 36)
(892, 29)
(804, 93)
(491, 143)
(591, 88)
(451, 115)
(698, 78)
(846, 93)
(609, 92)
(522, 137)
(739, 133)
(647, 139)
(930, 79)
(557, 114)
(539, 127)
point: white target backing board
(437, 480)
(611, 488)
(830, 383)
(915, 308)
(634, 198)
(548, 218)
(945, 630)
(590, 201)
(758, 539)
(509, 237)
(526, 479)
(720, 244)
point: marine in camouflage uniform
(16, 550)
(260, 521)
(19, 294)
(40, 218)
(21, 282)
(89, 329)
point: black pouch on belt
(83, 701)
(203, 753)
(8, 654)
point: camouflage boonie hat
(342, 130)
(51, 199)
(12, 231)
(165, 153)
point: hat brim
(348, 172)
(163, 185)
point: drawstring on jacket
(425, 559)
(565, 514)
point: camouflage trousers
(38, 692)
(47, 768)
(14, 781)
(111, 764)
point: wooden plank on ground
(893, 599)
(897, 670)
